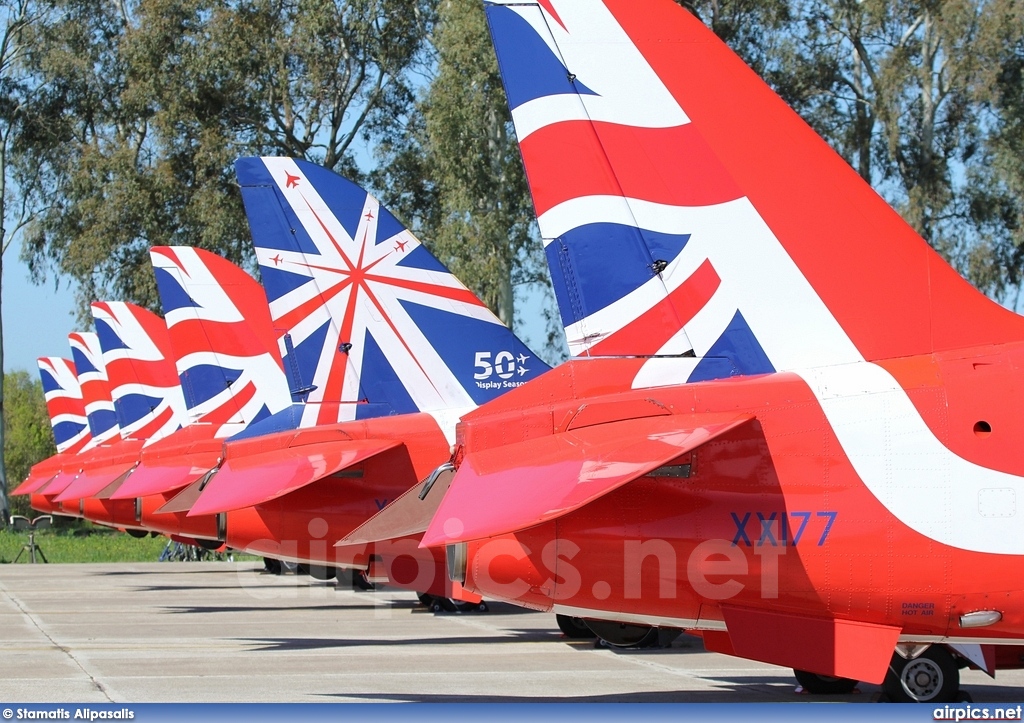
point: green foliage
(922, 98)
(143, 107)
(456, 173)
(27, 435)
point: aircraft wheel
(623, 635)
(318, 572)
(426, 599)
(360, 583)
(272, 566)
(824, 684)
(932, 677)
(137, 534)
(574, 627)
(445, 604)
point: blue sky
(37, 319)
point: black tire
(574, 627)
(824, 684)
(447, 605)
(623, 635)
(426, 599)
(932, 677)
(319, 572)
(360, 583)
(137, 534)
(272, 566)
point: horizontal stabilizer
(509, 488)
(40, 474)
(253, 479)
(183, 501)
(33, 482)
(91, 481)
(166, 476)
(59, 483)
(410, 514)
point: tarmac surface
(226, 632)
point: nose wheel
(932, 677)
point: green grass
(83, 545)
(87, 544)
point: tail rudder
(140, 366)
(687, 211)
(224, 345)
(368, 315)
(95, 386)
(64, 404)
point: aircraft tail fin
(368, 317)
(140, 366)
(64, 404)
(224, 346)
(95, 386)
(686, 211)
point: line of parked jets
(787, 425)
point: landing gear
(318, 572)
(272, 566)
(824, 684)
(137, 534)
(932, 677)
(624, 635)
(574, 627)
(448, 605)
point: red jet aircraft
(789, 426)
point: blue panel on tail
(278, 282)
(378, 382)
(597, 264)
(530, 69)
(50, 383)
(109, 340)
(421, 258)
(66, 431)
(387, 225)
(172, 295)
(287, 419)
(272, 222)
(740, 347)
(101, 421)
(344, 198)
(133, 407)
(82, 363)
(205, 381)
(486, 358)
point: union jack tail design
(92, 378)
(225, 349)
(371, 323)
(140, 366)
(686, 211)
(64, 404)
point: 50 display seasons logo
(499, 370)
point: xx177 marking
(779, 529)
